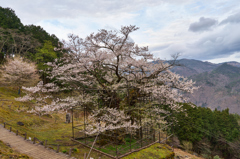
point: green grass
(111, 148)
(156, 151)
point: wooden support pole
(34, 140)
(72, 125)
(10, 129)
(25, 136)
(130, 140)
(85, 124)
(154, 135)
(159, 139)
(70, 152)
(45, 143)
(166, 138)
(57, 148)
(141, 131)
(4, 125)
(17, 133)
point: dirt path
(25, 147)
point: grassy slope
(45, 128)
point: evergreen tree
(8, 19)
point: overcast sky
(207, 30)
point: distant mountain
(233, 63)
(192, 67)
(219, 83)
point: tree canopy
(9, 20)
(17, 39)
(108, 61)
(208, 130)
(19, 72)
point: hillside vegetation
(219, 83)
(208, 132)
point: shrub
(187, 145)
(216, 157)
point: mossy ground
(6, 152)
(156, 151)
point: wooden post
(84, 124)
(72, 124)
(57, 148)
(141, 132)
(130, 140)
(34, 140)
(147, 133)
(159, 136)
(17, 133)
(10, 129)
(4, 125)
(166, 138)
(25, 136)
(70, 151)
(153, 135)
(45, 143)
(84, 155)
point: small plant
(64, 151)
(75, 150)
(216, 157)
(187, 145)
(206, 156)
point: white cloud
(234, 57)
(163, 24)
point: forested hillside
(209, 132)
(29, 41)
(219, 83)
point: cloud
(204, 24)
(34, 11)
(221, 43)
(235, 18)
(165, 26)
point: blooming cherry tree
(19, 72)
(109, 61)
(108, 119)
(46, 102)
